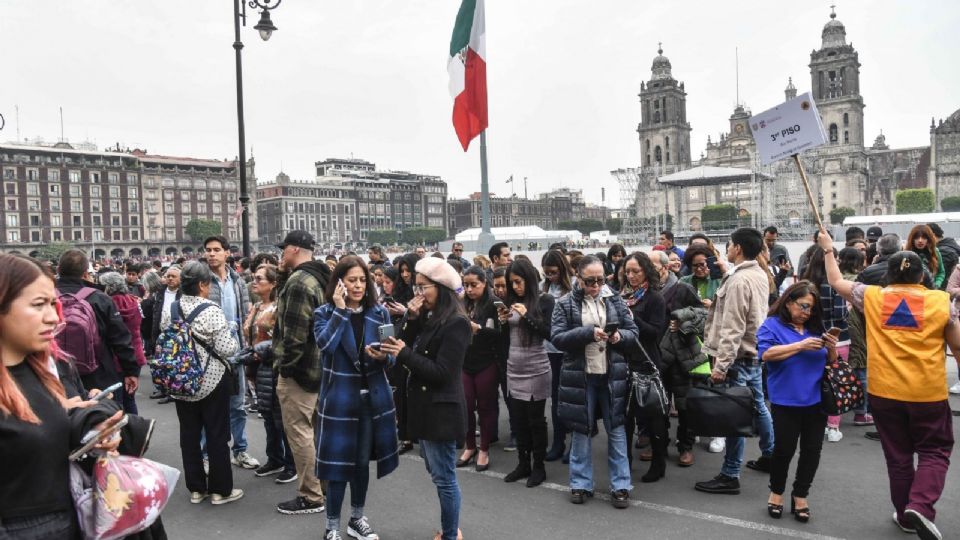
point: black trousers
(531, 426)
(211, 415)
(790, 426)
(657, 428)
(559, 430)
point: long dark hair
(480, 305)
(851, 260)
(402, 291)
(531, 294)
(798, 290)
(345, 265)
(653, 277)
(816, 269)
(555, 258)
(448, 305)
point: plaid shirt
(295, 350)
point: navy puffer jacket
(571, 337)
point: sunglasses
(592, 281)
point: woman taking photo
(480, 367)
(258, 328)
(922, 242)
(528, 368)
(699, 278)
(793, 345)
(556, 283)
(640, 290)
(208, 412)
(438, 333)
(355, 415)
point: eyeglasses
(457, 250)
(592, 281)
(551, 273)
(804, 307)
(419, 289)
(700, 265)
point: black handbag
(647, 391)
(721, 410)
(840, 390)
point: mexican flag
(468, 72)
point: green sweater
(706, 288)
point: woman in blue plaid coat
(356, 421)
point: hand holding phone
(107, 392)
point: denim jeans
(581, 461)
(238, 416)
(440, 457)
(361, 473)
(752, 377)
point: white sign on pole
(787, 129)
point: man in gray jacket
(229, 291)
(731, 339)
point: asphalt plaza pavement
(849, 498)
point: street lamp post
(266, 28)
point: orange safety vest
(906, 355)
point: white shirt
(169, 297)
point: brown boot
(686, 458)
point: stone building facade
(842, 173)
(546, 211)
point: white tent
(504, 234)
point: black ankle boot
(657, 470)
(522, 470)
(538, 473)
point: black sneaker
(620, 498)
(872, 435)
(286, 477)
(720, 484)
(579, 496)
(298, 506)
(268, 468)
(763, 464)
(360, 529)
(925, 528)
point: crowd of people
(351, 360)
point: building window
(56, 220)
(135, 220)
(94, 178)
(834, 133)
(76, 206)
(55, 189)
(846, 136)
(97, 235)
(168, 208)
(201, 195)
(10, 188)
(133, 193)
(846, 119)
(132, 179)
(78, 235)
(216, 196)
(94, 191)
(658, 154)
(58, 236)
(33, 190)
(13, 220)
(13, 236)
(55, 205)
(94, 205)
(133, 206)
(74, 177)
(74, 191)
(53, 176)
(185, 195)
(114, 206)
(77, 221)
(33, 205)
(116, 235)
(134, 234)
(114, 192)
(113, 178)
(96, 221)
(114, 221)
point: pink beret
(440, 272)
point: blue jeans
(581, 462)
(861, 374)
(752, 377)
(336, 489)
(238, 416)
(440, 457)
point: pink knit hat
(439, 272)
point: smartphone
(388, 299)
(611, 329)
(107, 391)
(499, 304)
(714, 269)
(340, 281)
(835, 332)
(94, 436)
(385, 331)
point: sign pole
(806, 187)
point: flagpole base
(485, 241)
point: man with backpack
(229, 291)
(94, 332)
(297, 359)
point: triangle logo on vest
(902, 312)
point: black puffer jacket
(570, 336)
(266, 381)
(876, 274)
(949, 255)
(681, 351)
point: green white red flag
(467, 67)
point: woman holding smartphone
(355, 420)
(557, 283)
(438, 332)
(481, 366)
(396, 295)
(528, 368)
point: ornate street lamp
(266, 28)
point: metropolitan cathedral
(670, 188)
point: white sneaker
(924, 527)
(224, 499)
(245, 460)
(197, 497)
(907, 530)
(717, 445)
(955, 389)
(833, 434)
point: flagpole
(485, 239)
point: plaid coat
(335, 427)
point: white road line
(677, 511)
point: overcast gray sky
(368, 78)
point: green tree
(950, 204)
(837, 215)
(423, 235)
(615, 225)
(199, 229)
(915, 201)
(719, 216)
(386, 237)
(585, 226)
(53, 251)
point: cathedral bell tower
(664, 131)
(835, 82)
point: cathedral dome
(951, 124)
(661, 66)
(834, 34)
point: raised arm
(843, 287)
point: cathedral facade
(664, 191)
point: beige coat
(736, 315)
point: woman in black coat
(438, 333)
(639, 286)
